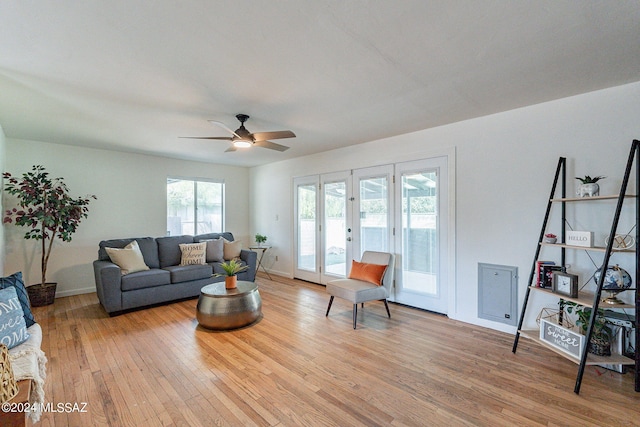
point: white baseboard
(62, 294)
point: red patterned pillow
(372, 273)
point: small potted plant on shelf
(589, 186)
(600, 343)
(550, 238)
(260, 239)
(49, 212)
(231, 268)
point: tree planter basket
(41, 295)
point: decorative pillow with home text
(193, 253)
(13, 329)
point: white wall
(504, 165)
(2, 166)
(131, 192)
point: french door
(372, 208)
(421, 210)
(323, 231)
(401, 208)
(307, 223)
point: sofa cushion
(15, 280)
(129, 258)
(215, 250)
(232, 249)
(147, 246)
(169, 249)
(372, 273)
(13, 330)
(186, 273)
(145, 279)
(193, 253)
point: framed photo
(547, 274)
(565, 284)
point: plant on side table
(260, 239)
(47, 209)
(231, 268)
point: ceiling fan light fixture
(242, 143)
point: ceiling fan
(242, 138)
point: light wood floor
(296, 367)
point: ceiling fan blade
(221, 138)
(223, 126)
(263, 136)
(270, 145)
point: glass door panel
(419, 232)
(372, 221)
(306, 241)
(335, 205)
(422, 218)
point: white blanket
(30, 363)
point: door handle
(348, 239)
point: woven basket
(600, 347)
(8, 384)
(40, 295)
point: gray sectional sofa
(166, 280)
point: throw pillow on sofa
(15, 280)
(232, 249)
(193, 253)
(13, 329)
(215, 250)
(129, 258)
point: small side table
(264, 250)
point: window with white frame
(194, 206)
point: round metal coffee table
(220, 308)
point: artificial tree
(46, 207)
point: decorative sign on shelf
(580, 238)
(561, 338)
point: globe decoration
(616, 280)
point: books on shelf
(544, 273)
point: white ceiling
(135, 75)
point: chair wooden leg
(329, 308)
(355, 314)
(387, 307)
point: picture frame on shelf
(547, 275)
(565, 284)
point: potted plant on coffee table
(49, 212)
(231, 268)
